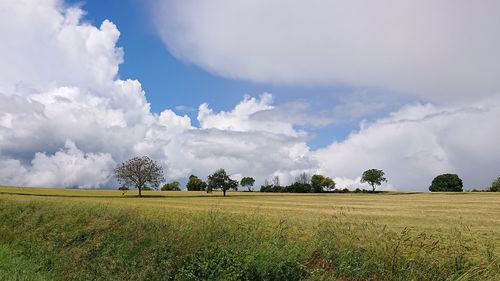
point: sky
(260, 88)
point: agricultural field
(64, 234)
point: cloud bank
(66, 118)
(436, 50)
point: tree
(373, 177)
(275, 181)
(247, 182)
(495, 185)
(447, 183)
(220, 180)
(172, 186)
(319, 183)
(303, 178)
(140, 172)
(196, 184)
(123, 189)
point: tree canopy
(139, 172)
(220, 180)
(374, 177)
(247, 182)
(196, 184)
(320, 183)
(446, 183)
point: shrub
(172, 186)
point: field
(62, 234)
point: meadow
(64, 234)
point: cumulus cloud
(66, 118)
(431, 49)
(420, 141)
(70, 167)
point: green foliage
(321, 183)
(302, 184)
(272, 188)
(495, 185)
(140, 172)
(195, 184)
(373, 177)
(298, 187)
(446, 183)
(220, 180)
(247, 182)
(172, 186)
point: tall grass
(69, 241)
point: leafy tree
(140, 172)
(247, 182)
(196, 184)
(220, 180)
(446, 182)
(495, 185)
(373, 177)
(171, 186)
(319, 183)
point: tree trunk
(224, 192)
(373, 187)
(140, 194)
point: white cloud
(420, 141)
(66, 119)
(241, 118)
(70, 167)
(57, 49)
(432, 49)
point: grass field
(66, 234)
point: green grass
(18, 268)
(104, 235)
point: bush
(446, 183)
(172, 186)
(298, 187)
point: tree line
(144, 173)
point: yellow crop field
(426, 211)
(475, 215)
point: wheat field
(465, 225)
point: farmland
(104, 234)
